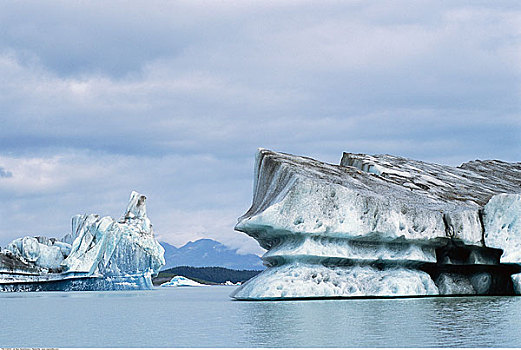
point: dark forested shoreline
(206, 275)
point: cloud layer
(173, 99)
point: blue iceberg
(98, 254)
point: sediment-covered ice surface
(98, 254)
(383, 226)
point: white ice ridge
(112, 254)
(383, 210)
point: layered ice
(99, 253)
(403, 219)
(300, 280)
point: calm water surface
(207, 317)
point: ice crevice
(406, 226)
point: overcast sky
(173, 98)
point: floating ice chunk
(230, 283)
(181, 281)
(98, 254)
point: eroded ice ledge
(98, 254)
(383, 226)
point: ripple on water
(202, 317)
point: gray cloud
(5, 173)
(173, 98)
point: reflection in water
(422, 322)
(206, 317)
(476, 321)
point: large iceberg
(383, 226)
(98, 254)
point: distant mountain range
(207, 252)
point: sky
(173, 98)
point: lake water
(207, 317)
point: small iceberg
(100, 253)
(230, 283)
(182, 281)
